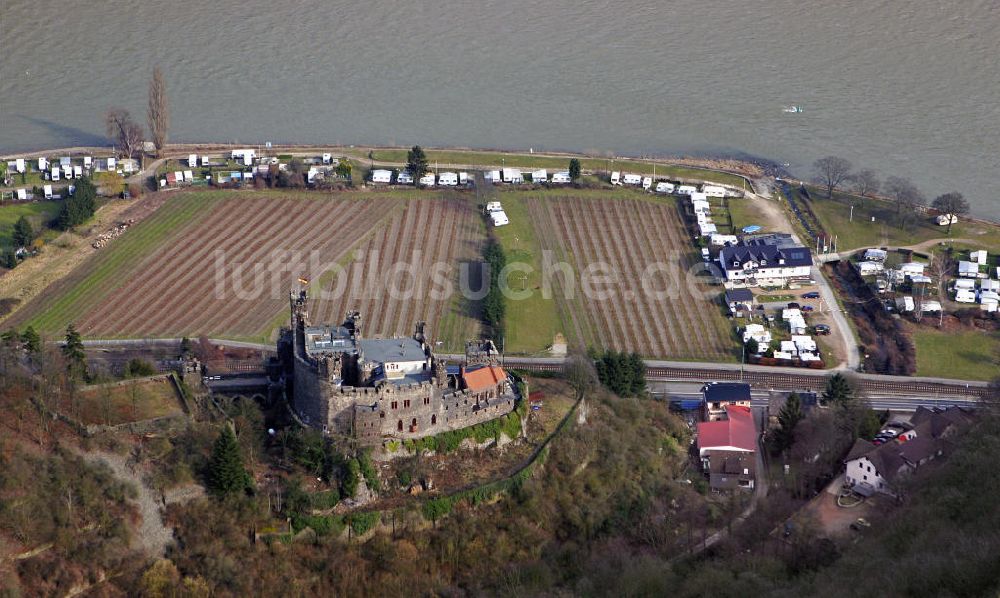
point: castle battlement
(370, 389)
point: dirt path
(153, 535)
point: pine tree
(574, 169)
(32, 341)
(416, 162)
(73, 350)
(838, 390)
(789, 417)
(226, 474)
(23, 233)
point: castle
(373, 389)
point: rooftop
(329, 339)
(726, 391)
(391, 350)
(739, 431)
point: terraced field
(408, 270)
(653, 305)
(179, 272)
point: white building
(965, 296)
(493, 176)
(904, 303)
(244, 155)
(380, 175)
(56, 174)
(707, 228)
(43, 164)
(758, 333)
(931, 306)
(22, 194)
(47, 189)
(19, 165)
(990, 285)
(765, 263)
(664, 187)
(698, 196)
(876, 255)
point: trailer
(686, 190)
(499, 218)
(664, 187)
(448, 179)
(463, 178)
(616, 178)
(55, 176)
(540, 176)
(632, 179)
(404, 178)
(193, 161)
(647, 182)
(381, 175)
(427, 180)
(513, 176)
(714, 191)
(561, 177)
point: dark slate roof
(918, 449)
(726, 391)
(861, 448)
(738, 295)
(793, 256)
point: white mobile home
(869, 268)
(499, 218)
(77, 172)
(463, 178)
(990, 285)
(55, 173)
(189, 176)
(876, 255)
(616, 178)
(513, 175)
(22, 194)
(48, 191)
(448, 179)
(65, 162)
(965, 296)
(561, 177)
(404, 178)
(540, 176)
(88, 162)
(193, 161)
(965, 284)
(707, 229)
(493, 206)
(111, 164)
(698, 196)
(905, 303)
(43, 164)
(244, 155)
(647, 182)
(327, 158)
(664, 187)
(493, 176)
(427, 180)
(204, 161)
(686, 190)
(968, 269)
(714, 191)
(721, 240)
(19, 165)
(380, 175)
(979, 257)
(701, 206)
(931, 306)
(632, 179)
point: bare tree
(866, 183)
(952, 205)
(906, 196)
(158, 112)
(123, 131)
(832, 171)
(579, 371)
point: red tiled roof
(737, 431)
(483, 378)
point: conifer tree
(226, 474)
(838, 390)
(789, 417)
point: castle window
(395, 405)
(406, 403)
(427, 400)
(434, 420)
(382, 414)
(399, 425)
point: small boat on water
(793, 109)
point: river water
(907, 88)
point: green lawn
(962, 355)
(531, 322)
(113, 404)
(497, 159)
(110, 268)
(860, 231)
(39, 213)
(744, 213)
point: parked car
(793, 305)
(822, 329)
(807, 308)
(888, 432)
(810, 295)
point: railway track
(787, 381)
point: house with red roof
(727, 448)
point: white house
(702, 217)
(765, 263)
(920, 279)
(193, 160)
(968, 269)
(380, 175)
(616, 178)
(427, 180)
(965, 296)
(647, 182)
(561, 177)
(404, 178)
(540, 176)
(22, 194)
(714, 191)
(987, 298)
(758, 333)
(686, 190)
(448, 179)
(664, 187)
(910, 268)
(632, 179)
(789, 347)
(804, 343)
(512, 175)
(979, 257)
(48, 191)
